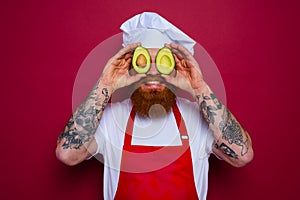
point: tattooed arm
(77, 142)
(232, 142)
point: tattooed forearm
(85, 120)
(222, 123)
(209, 111)
(232, 131)
(73, 138)
(226, 150)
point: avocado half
(165, 62)
(141, 60)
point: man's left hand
(188, 75)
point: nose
(153, 70)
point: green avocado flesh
(141, 60)
(165, 61)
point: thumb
(179, 81)
(169, 79)
(134, 78)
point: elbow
(245, 159)
(66, 156)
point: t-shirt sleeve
(201, 136)
(102, 130)
(111, 123)
(98, 138)
(208, 137)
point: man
(155, 145)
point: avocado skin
(137, 52)
(163, 68)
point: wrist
(200, 91)
(104, 86)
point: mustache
(149, 78)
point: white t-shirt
(111, 131)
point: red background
(254, 44)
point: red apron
(156, 172)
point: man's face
(153, 93)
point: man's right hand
(76, 143)
(116, 71)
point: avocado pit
(141, 61)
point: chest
(156, 132)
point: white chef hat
(153, 31)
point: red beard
(153, 103)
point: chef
(155, 144)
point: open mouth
(152, 83)
(154, 80)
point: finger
(174, 51)
(128, 55)
(127, 63)
(167, 45)
(177, 60)
(122, 63)
(188, 59)
(179, 63)
(182, 50)
(117, 62)
(178, 54)
(127, 49)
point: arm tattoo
(232, 131)
(85, 120)
(226, 150)
(209, 111)
(73, 138)
(219, 117)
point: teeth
(153, 82)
